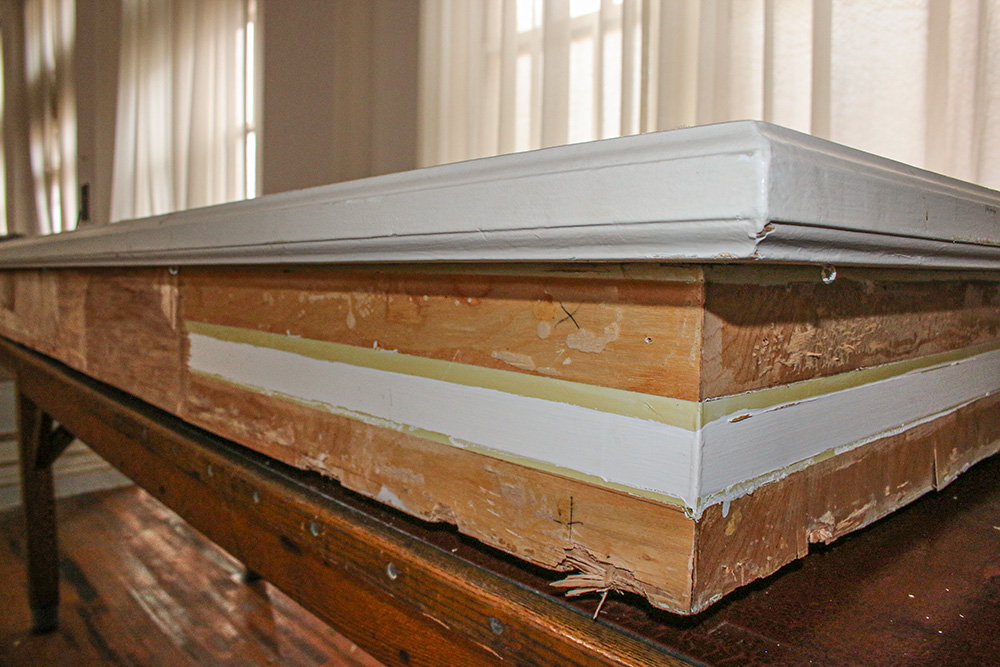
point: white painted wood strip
(719, 461)
(766, 441)
(735, 191)
(619, 449)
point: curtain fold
(49, 28)
(914, 80)
(181, 125)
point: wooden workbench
(663, 365)
(921, 587)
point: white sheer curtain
(915, 80)
(49, 28)
(182, 114)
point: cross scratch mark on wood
(569, 315)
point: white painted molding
(735, 191)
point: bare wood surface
(762, 332)
(754, 535)
(126, 327)
(919, 588)
(638, 335)
(431, 608)
(640, 544)
(134, 334)
(45, 309)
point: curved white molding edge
(730, 192)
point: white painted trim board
(735, 191)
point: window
(49, 31)
(187, 122)
(4, 230)
(909, 79)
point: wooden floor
(140, 587)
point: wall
(340, 90)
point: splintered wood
(586, 365)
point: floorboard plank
(140, 587)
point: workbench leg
(40, 515)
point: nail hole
(391, 571)
(173, 270)
(828, 274)
(647, 340)
(496, 626)
(211, 471)
(314, 528)
(256, 497)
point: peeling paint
(386, 496)
(522, 361)
(585, 340)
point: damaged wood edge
(532, 514)
(755, 535)
(773, 333)
(436, 602)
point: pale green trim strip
(671, 411)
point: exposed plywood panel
(134, 335)
(754, 535)
(44, 309)
(631, 334)
(766, 327)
